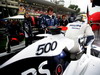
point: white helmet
(79, 18)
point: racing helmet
(14, 41)
(79, 18)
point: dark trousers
(28, 41)
(8, 49)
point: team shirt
(75, 30)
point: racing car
(44, 57)
(50, 56)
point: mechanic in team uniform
(48, 20)
(27, 27)
(76, 29)
(63, 21)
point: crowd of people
(14, 27)
(14, 33)
(76, 26)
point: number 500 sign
(45, 48)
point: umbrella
(95, 17)
(95, 20)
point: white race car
(48, 56)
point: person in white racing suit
(76, 29)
